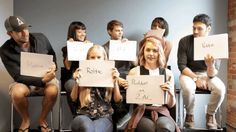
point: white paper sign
(77, 50)
(215, 45)
(33, 64)
(96, 73)
(157, 33)
(145, 89)
(125, 51)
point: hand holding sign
(96, 73)
(124, 51)
(77, 50)
(215, 45)
(50, 74)
(140, 89)
(33, 64)
(209, 60)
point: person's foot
(189, 121)
(44, 127)
(211, 121)
(24, 127)
(23, 130)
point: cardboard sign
(157, 33)
(96, 73)
(215, 45)
(33, 64)
(124, 51)
(77, 50)
(145, 89)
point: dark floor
(182, 130)
(202, 130)
(36, 130)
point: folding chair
(65, 74)
(12, 114)
(198, 108)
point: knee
(80, 123)
(69, 84)
(164, 123)
(19, 91)
(51, 90)
(187, 85)
(145, 125)
(217, 86)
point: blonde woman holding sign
(152, 62)
(94, 108)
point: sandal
(45, 127)
(24, 130)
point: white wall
(52, 17)
(6, 9)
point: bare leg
(19, 99)
(49, 100)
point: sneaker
(189, 121)
(211, 121)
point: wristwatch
(195, 79)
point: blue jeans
(83, 123)
(163, 124)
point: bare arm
(211, 69)
(75, 90)
(117, 95)
(167, 50)
(74, 93)
(67, 63)
(116, 91)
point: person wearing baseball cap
(23, 41)
(15, 23)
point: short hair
(203, 18)
(161, 60)
(75, 25)
(113, 23)
(163, 24)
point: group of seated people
(97, 109)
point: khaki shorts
(34, 91)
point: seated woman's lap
(163, 124)
(84, 124)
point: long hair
(75, 25)
(161, 62)
(84, 92)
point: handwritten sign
(145, 89)
(215, 45)
(157, 33)
(125, 51)
(96, 73)
(77, 50)
(33, 64)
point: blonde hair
(161, 62)
(84, 92)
